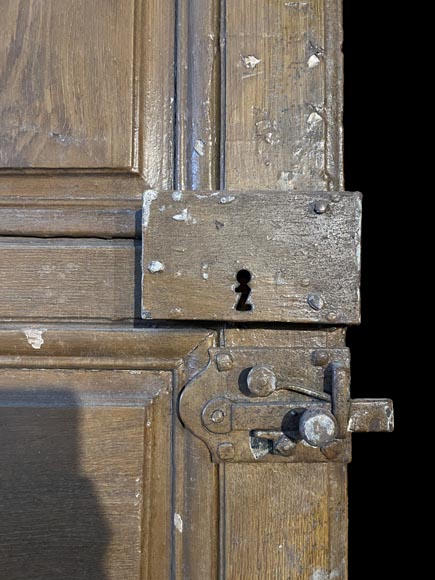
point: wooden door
(100, 102)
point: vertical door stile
(282, 125)
(197, 147)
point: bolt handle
(318, 427)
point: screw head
(217, 416)
(320, 358)
(224, 362)
(318, 427)
(261, 380)
(331, 316)
(315, 301)
(320, 206)
(226, 451)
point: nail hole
(243, 278)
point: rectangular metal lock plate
(252, 256)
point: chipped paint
(250, 61)
(314, 118)
(204, 271)
(34, 337)
(199, 147)
(279, 280)
(207, 195)
(177, 195)
(178, 522)
(267, 129)
(296, 4)
(155, 266)
(320, 574)
(148, 197)
(313, 61)
(162, 208)
(227, 199)
(283, 181)
(184, 216)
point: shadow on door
(51, 524)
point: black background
(380, 54)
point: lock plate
(278, 405)
(252, 256)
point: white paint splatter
(178, 522)
(227, 199)
(155, 266)
(183, 216)
(204, 271)
(148, 197)
(320, 574)
(314, 118)
(162, 208)
(296, 4)
(313, 61)
(177, 195)
(199, 147)
(207, 195)
(35, 337)
(250, 61)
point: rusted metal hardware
(279, 404)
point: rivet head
(217, 416)
(331, 316)
(315, 301)
(284, 446)
(261, 380)
(225, 451)
(320, 358)
(224, 362)
(320, 206)
(318, 427)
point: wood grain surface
(283, 95)
(68, 279)
(66, 84)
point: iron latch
(279, 404)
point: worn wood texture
(243, 124)
(86, 473)
(113, 347)
(278, 522)
(283, 95)
(99, 219)
(66, 83)
(199, 67)
(68, 279)
(303, 263)
(88, 89)
(283, 130)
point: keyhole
(243, 278)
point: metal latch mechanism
(279, 405)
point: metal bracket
(279, 405)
